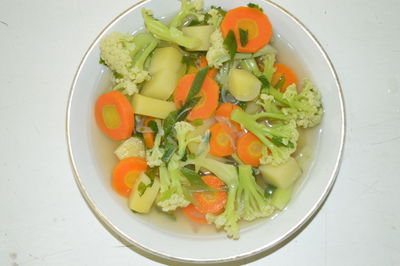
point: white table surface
(44, 219)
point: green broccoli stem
(247, 181)
(250, 64)
(185, 11)
(162, 32)
(277, 116)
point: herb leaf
(269, 190)
(252, 5)
(153, 125)
(230, 43)
(193, 177)
(169, 151)
(244, 37)
(197, 83)
(280, 82)
(141, 188)
(278, 141)
(264, 81)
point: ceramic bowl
(92, 158)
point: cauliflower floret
(125, 55)
(309, 108)
(217, 54)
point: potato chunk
(243, 85)
(283, 175)
(143, 194)
(201, 33)
(143, 105)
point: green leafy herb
(142, 188)
(137, 134)
(244, 37)
(278, 141)
(169, 151)
(197, 83)
(242, 105)
(264, 81)
(269, 190)
(230, 43)
(195, 22)
(197, 122)
(117, 75)
(252, 5)
(193, 177)
(101, 61)
(153, 125)
(152, 173)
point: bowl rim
(270, 246)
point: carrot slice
(125, 174)
(283, 72)
(225, 110)
(252, 20)
(211, 202)
(209, 94)
(148, 136)
(222, 140)
(194, 214)
(249, 149)
(114, 115)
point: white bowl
(92, 159)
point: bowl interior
(93, 160)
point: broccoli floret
(172, 195)
(188, 8)
(170, 34)
(228, 174)
(125, 55)
(154, 155)
(304, 107)
(280, 139)
(250, 196)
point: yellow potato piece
(162, 85)
(201, 33)
(243, 85)
(144, 105)
(142, 202)
(283, 175)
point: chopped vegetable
(114, 115)
(225, 110)
(281, 197)
(144, 105)
(279, 139)
(143, 194)
(252, 20)
(126, 55)
(208, 94)
(193, 213)
(149, 136)
(284, 75)
(213, 201)
(132, 147)
(283, 175)
(125, 174)
(249, 149)
(202, 33)
(250, 196)
(222, 142)
(243, 85)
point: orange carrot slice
(148, 136)
(194, 214)
(209, 94)
(114, 115)
(249, 149)
(212, 72)
(283, 72)
(211, 202)
(252, 20)
(222, 140)
(125, 174)
(225, 110)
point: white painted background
(45, 221)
